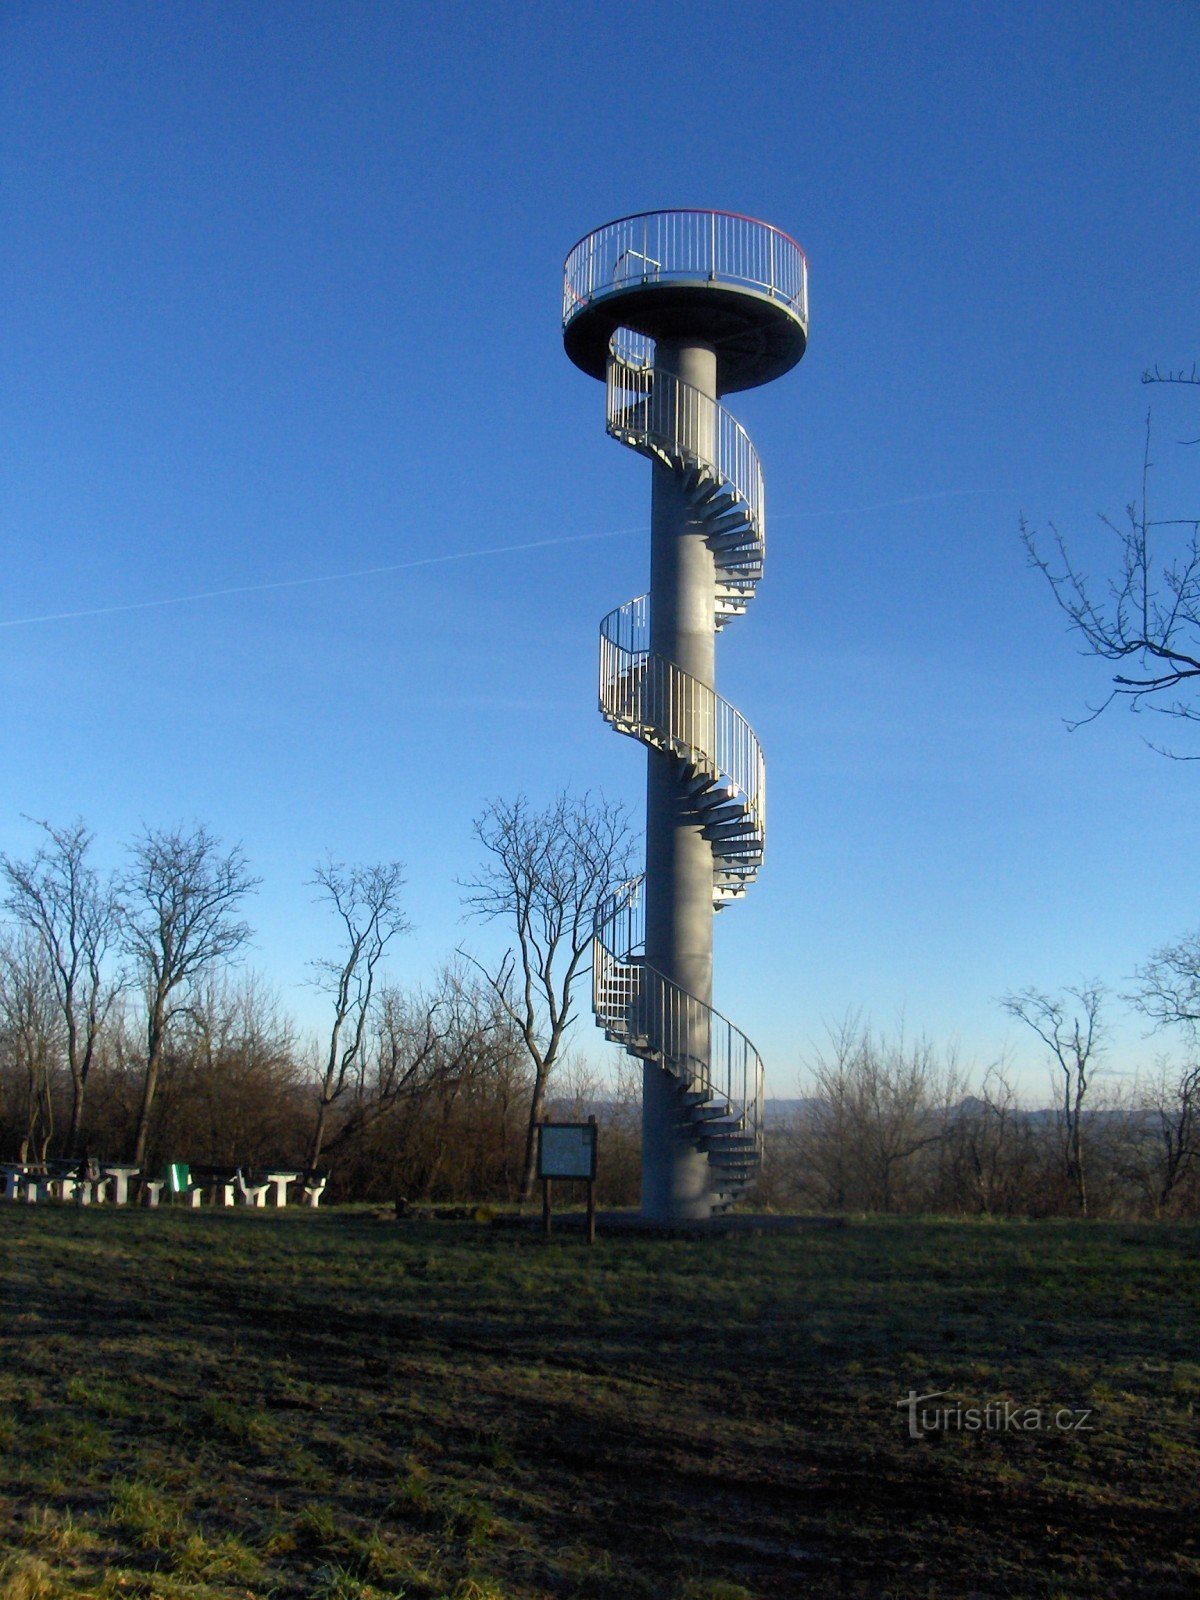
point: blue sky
(280, 302)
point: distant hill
(780, 1110)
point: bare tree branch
(367, 904)
(1074, 1035)
(178, 909)
(60, 899)
(1168, 986)
(546, 874)
(1145, 618)
(1153, 375)
(31, 1034)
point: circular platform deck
(726, 280)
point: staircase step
(731, 1162)
(717, 1116)
(702, 484)
(726, 1126)
(714, 491)
(728, 522)
(722, 808)
(735, 596)
(706, 1100)
(698, 782)
(726, 519)
(721, 522)
(742, 822)
(737, 558)
(742, 1146)
(735, 842)
(713, 1146)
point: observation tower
(674, 309)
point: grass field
(334, 1405)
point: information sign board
(567, 1150)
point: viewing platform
(738, 284)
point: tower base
(675, 1175)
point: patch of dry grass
(247, 1404)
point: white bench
(253, 1194)
(120, 1178)
(281, 1180)
(191, 1195)
(13, 1174)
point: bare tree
(1161, 1144)
(878, 1103)
(395, 1064)
(1071, 1027)
(1174, 1103)
(31, 1036)
(1168, 986)
(476, 1069)
(366, 902)
(1146, 616)
(995, 1142)
(442, 1070)
(178, 909)
(547, 873)
(230, 1091)
(59, 897)
(1153, 375)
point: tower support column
(679, 860)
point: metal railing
(651, 699)
(703, 1049)
(631, 349)
(660, 414)
(686, 246)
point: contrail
(443, 560)
(324, 577)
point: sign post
(568, 1150)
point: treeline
(890, 1126)
(127, 1031)
(434, 1110)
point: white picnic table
(13, 1172)
(281, 1181)
(120, 1177)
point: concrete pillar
(679, 862)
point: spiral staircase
(737, 280)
